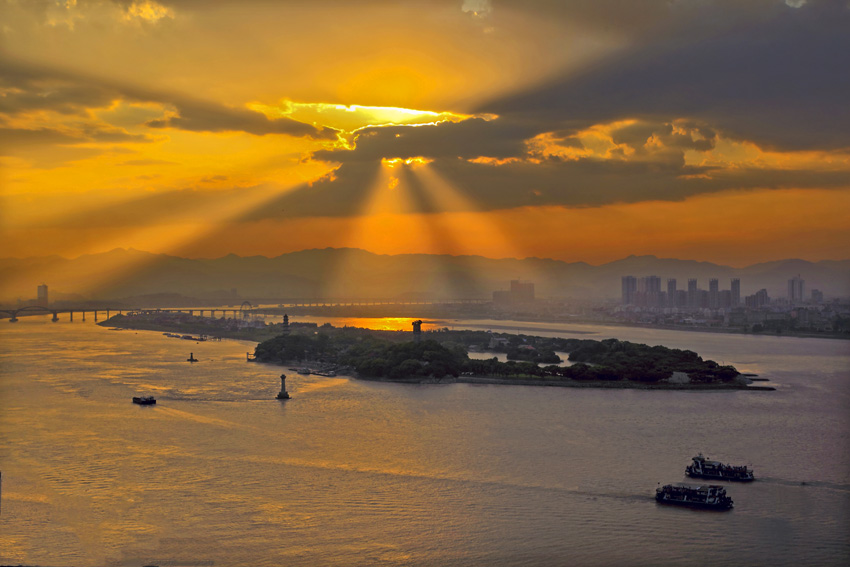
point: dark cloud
(31, 87)
(577, 183)
(28, 143)
(200, 116)
(780, 79)
(21, 138)
(468, 139)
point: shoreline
(614, 384)
(740, 383)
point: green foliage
(444, 353)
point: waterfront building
(758, 299)
(795, 289)
(693, 299)
(713, 289)
(520, 292)
(42, 296)
(736, 292)
(629, 290)
(671, 292)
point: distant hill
(348, 272)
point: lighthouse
(283, 394)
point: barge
(702, 467)
(711, 496)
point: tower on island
(417, 331)
(285, 324)
(283, 394)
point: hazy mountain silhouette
(348, 272)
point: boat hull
(712, 497)
(692, 474)
(694, 504)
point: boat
(305, 371)
(702, 467)
(711, 496)
(144, 400)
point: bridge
(244, 311)
(12, 314)
(353, 302)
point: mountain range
(355, 273)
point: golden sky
(580, 131)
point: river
(353, 472)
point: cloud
(148, 10)
(202, 116)
(467, 139)
(27, 87)
(778, 79)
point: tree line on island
(445, 353)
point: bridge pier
(95, 315)
(107, 313)
(72, 316)
(84, 316)
(55, 316)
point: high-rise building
(693, 296)
(42, 295)
(649, 291)
(736, 292)
(713, 289)
(817, 296)
(629, 290)
(758, 299)
(671, 292)
(795, 289)
(522, 291)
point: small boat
(702, 467)
(144, 400)
(305, 371)
(711, 496)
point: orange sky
(203, 129)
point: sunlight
(447, 198)
(352, 118)
(393, 162)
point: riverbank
(566, 383)
(391, 356)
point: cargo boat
(144, 400)
(712, 496)
(702, 467)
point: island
(442, 356)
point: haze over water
(353, 472)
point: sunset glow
(480, 129)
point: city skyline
(574, 131)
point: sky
(580, 130)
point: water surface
(352, 472)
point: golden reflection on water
(382, 323)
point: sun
(354, 117)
